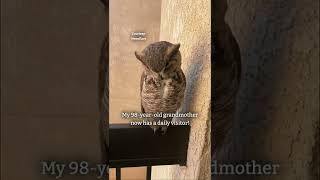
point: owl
(162, 83)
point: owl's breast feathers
(162, 95)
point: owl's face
(160, 57)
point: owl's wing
(143, 75)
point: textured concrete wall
(49, 77)
(188, 22)
(278, 104)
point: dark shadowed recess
(50, 53)
(226, 68)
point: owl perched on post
(163, 82)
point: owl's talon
(159, 131)
(154, 130)
(163, 132)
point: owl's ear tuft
(138, 56)
(172, 50)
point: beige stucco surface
(188, 23)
